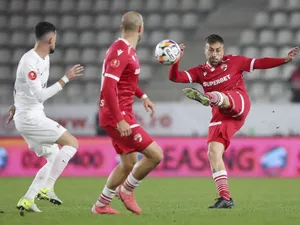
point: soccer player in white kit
(42, 134)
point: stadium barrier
(171, 119)
(183, 157)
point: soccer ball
(167, 52)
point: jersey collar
(209, 67)
(34, 52)
(124, 40)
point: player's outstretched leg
(216, 98)
(69, 148)
(115, 179)
(215, 155)
(153, 156)
(48, 193)
(27, 202)
(196, 95)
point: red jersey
(119, 85)
(226, 76)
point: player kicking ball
(119, 85)
(222, 80)
(42, 134)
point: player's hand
(75, 71)
(11, 110)
(182, 47)
(124, 128)
(148, 104)
(291, 54)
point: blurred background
(86, 28)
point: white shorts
(39, 131)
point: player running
(222, 80)
(42, 134)
(119, 85)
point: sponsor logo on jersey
(138, 137)
(224, 67)
(32, 75)
(101, 102)
(115, 63)
(216, 82)
(137, 71)
(119, 52)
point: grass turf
(164, 202)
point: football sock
(215, 97)
(59, 164)
(220, 179)
(106, 197)
(38, 182)
(130, 184)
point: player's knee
(68, 139)
(72, 141)
(158, 156)
(214, 154)
(225, 103)
(127, 166)
(154, 153)
(75, 143)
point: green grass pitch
(164, 202)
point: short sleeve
(116, 60)
(244, 63)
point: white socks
(38, 182)
(106, 197)
(130, 184)
(59, 164)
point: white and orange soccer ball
(167, 52)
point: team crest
(32, 75)
(115, 63)
(138, 137)
(224, 67)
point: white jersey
(32, 77)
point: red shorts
(136, 142)
(224, 124)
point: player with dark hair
(119, 85)
(41, 30)
(224, 90)
(42, 134)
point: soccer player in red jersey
(222, 80)
(119, 85)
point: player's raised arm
(249, 64)
(35, 84)
(188, 76)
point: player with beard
(119, 85)
(222, 80)
(42, 134)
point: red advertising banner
(183, 157)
